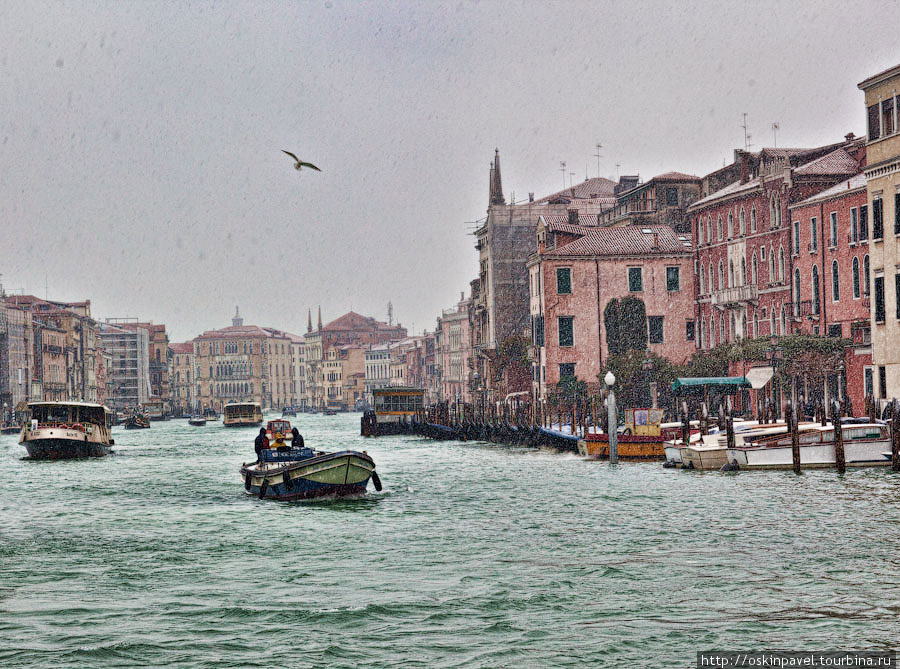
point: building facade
(128, 378)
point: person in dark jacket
(296, 438)
(261, 443)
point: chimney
(531, 197)
(573, 216)
(655, 240)
(599, 218)
(745, 167)
(849, 136)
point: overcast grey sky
(141, 140)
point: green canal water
(473, 555)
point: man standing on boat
(261, 443)
(296, 438)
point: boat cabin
(276, 427)
(241, 414)
(398, 404)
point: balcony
(799, 310)
(735, 296)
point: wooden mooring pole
(792, 416)
(839, 458)
(895, 437)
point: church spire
(237, 321)
(320, 317)
(496, 185)
(309, 320)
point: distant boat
(242, 414)
(10, 428)
(65, 430)
(288, 411)
(276, 427)
(197, 420)
(302, 473)
(137, 422)
(330, 412)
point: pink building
(578, 270)
(453, 346)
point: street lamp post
(647, 367)
(775, 354)
(610, 379)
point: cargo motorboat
(302, 473)
(197, 420)
(66, 430)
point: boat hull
(334, 474)
(813, 456)
(63, 448)
(630, 447)
(242, 423)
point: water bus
(242, 414)
(154, 410)
(63, 430)
(395, 408)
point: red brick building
(578, 270)
(742, 236)
(830, 281)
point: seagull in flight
(299, 164)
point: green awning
(726, 384)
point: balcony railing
(798, 310)
(734, 296)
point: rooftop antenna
(776, 126)
(562, 168)
(747, 135)
(598, 146)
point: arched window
(772, 212)
(866, 275)
(731, 274)
(733, 324)
(721, 276)
(754, 268)
(712, 277)
(743, 271)
(708, 229)
(722, 327)
(699, 230)
(835, 282)
(712, 332)
(772, 274)
(730, 225)
(755, 323)
(778, 211)
(781, 263)
(783, 321)
(855, 272)
(816, 306)
(772, 320)
(702, 281)
(753, 219)
(797, 292)
(742, 225)
(719, 227)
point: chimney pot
(531, 197)
(656, 240)
(573, 216)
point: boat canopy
(721, 384)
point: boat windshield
(66, 413)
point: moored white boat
(864, 446)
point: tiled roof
(836, 162)
(560, 223)
(354, 321)
(182, 347)
(851, 185)
(235, 332)
(628, 240)
(597, 187)
(890, 71)
(729, 190)
(674, 176)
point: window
(708, 229)
(835, 282)
(796, 237)
(755, 324)
(877, 222)
(863, 222)
(887, 116)
(730, 225)
(754, 268)
(712, 332)
(656, 329)
(702, 280)
(897, 292)
(563, 281)
(689, 330)
(879, 299)
(866, 275)
(699, 231)
(566, 369)
(867, 381)
(731, 274)
(897, 213)
(781, 263)
(882, 382)
(874, 123)
(833, 228)
(813, 234)
(855, 277)
(743, 271)
(537, 326)
(671, 197)
(673, 279)
(721, 327)
(815, 290)
(566, 337)
(635, 280)
(742, 226)
(854, 225)
(719, 228)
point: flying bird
(299, 164)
